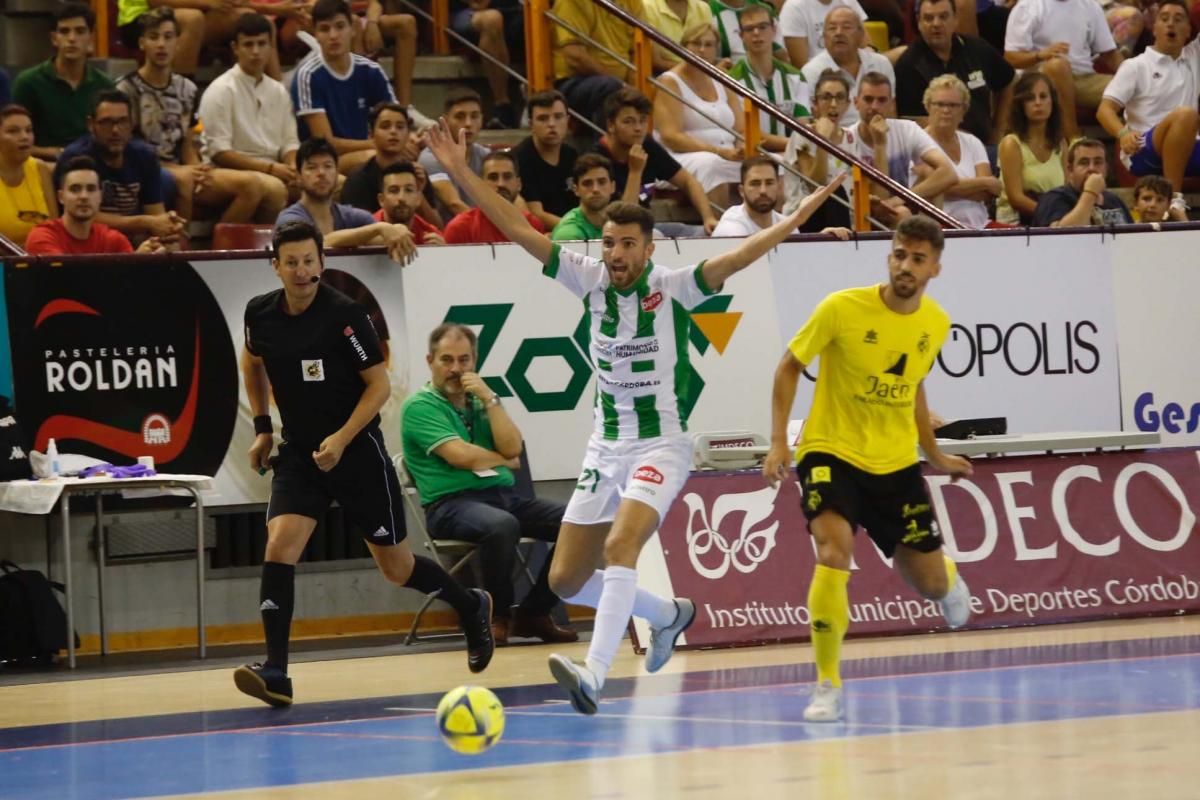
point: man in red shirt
(76, 232)
(472, 226)
(400, 197)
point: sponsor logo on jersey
(357, 345)
(652, 301)
(648, 474)
(313, 370)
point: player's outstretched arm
(955, 465)
(451, 151)
(783, 394)
(717, 270)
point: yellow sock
(951, 572)
(829, 610)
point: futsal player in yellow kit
(857, 459)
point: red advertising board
(1039, 539)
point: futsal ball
(470, 719)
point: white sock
(612, 618)
(650, 607)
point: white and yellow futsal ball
(470, 719)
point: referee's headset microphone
(315, 279)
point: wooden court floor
(1099, 710)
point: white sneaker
(577, 681)
(826, 703)
(956, 605)
(662, 640)
(420, 122)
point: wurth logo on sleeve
(358, 348)
(648, 474)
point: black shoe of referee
(267, 683)
(478, 630)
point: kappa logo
(648, 474)
(17, 454)
(652, 302)
(314, 370)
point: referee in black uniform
(317, 350)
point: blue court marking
(731, 708)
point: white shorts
(651, 471)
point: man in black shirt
(638, 160)
(545, 161)
(939, 50)
(317, 352)
(1082, 200)
(391, 133)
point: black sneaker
(267, 683)
(504, 117)
(478, 630)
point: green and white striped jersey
(731, 44)
(638, 341)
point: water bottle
(52, 455)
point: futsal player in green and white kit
(639, 453)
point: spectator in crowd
(162, 104)
(472, 226)
(333, 87)
(638, 160)
(391, 134)
(205, 23)
(59, 92)
(941, 50)
(803, 24)
(342, 225)
(5, 89)
(388, 19)
(1083, 200)
(1061, 39)
(498, 26)
(248, 121)
(673, 19)
(461, 448)
(594, 187)
(761, 192)
(77, 232)
(844, 39)
(586, 74)
(1031, 154)
(832, 97)
(773, 80)
(130, 175)
(26, 183)
(1157, 93)
(725, 15)
(1152, 201)
(401, 201)
(946, 102)
(699, 130)
(544, 159)
(463, 109)
(895, 147)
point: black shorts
(894, 508)
(363, 483)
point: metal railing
(540, 74)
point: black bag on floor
(33, 626)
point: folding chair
(455, 551)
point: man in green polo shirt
(592, 183)
(59, 92)
(460, 446)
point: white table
(39, 497)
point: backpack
(32, 623)
(14, 450)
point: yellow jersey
(872, 362)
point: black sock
(277, 596)
(428, 577)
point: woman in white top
(695, 131)
(946, 102)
